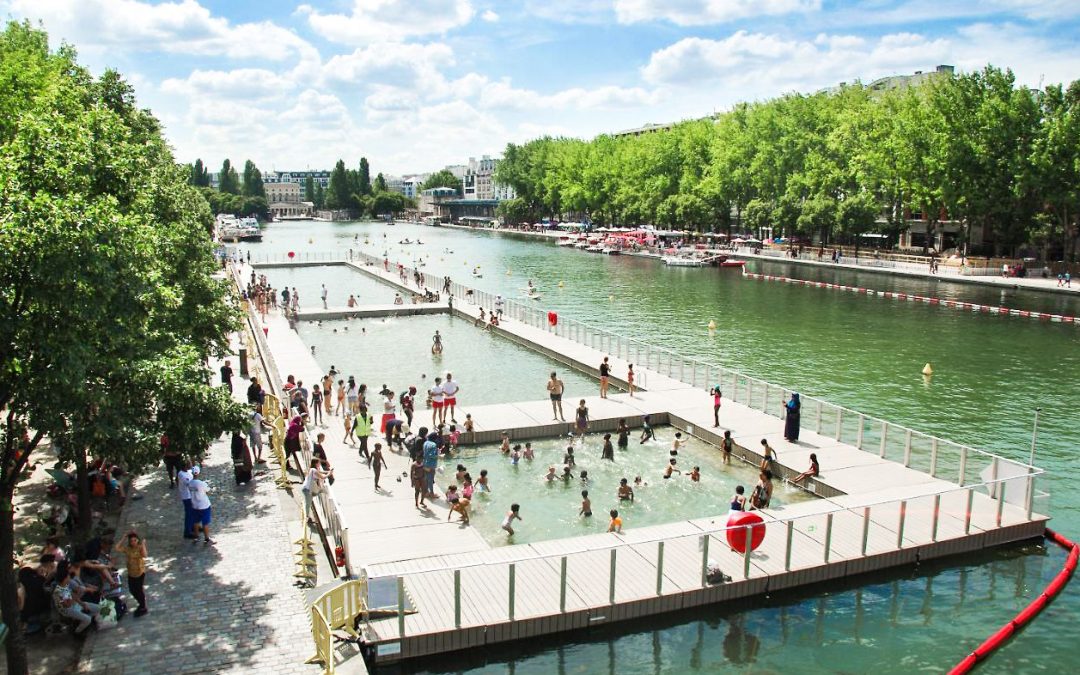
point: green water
(549, 509)
(397, 352)
(861, 352)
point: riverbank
(1026, 283)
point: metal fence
(880, 527)
(335, 520)
(905, 263)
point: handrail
(688, 370)
(862, 511)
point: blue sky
(415, 85)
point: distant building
(433, 200)
(902, 81)
(300, 177)
(285, 200)
(479, 181)
(393, 183)
(647, 128)
(457, 169)
(411, 185)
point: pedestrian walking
(200, 504)
(183, 477)
(226, 376)
(605, 372)
(134, 548)
(378, 463)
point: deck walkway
(875, 513)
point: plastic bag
(107, 617)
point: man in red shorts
(450, 389)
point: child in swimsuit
(510, 516)
(670, 468)
(528, 454)
(586, 505)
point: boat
(566, 241)
(682, 261)
(231, 228)
(608, 250)
(595, 248)
(533, 296)
(581, 244)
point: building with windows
(285, 200)
(299, 177)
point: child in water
(670, 468)
(616, 522)
(608, 451)
(528, 454)
(515, 455)
(695, 475)
(550, 475)
(586, 505)
(513, 513)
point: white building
(479, 181)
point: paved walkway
(217, 609)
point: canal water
(861, 352)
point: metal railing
(335, 521)
(884, 527)
(909, 263)
(939, 457)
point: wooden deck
(874, 513)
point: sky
(415, 85)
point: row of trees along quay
(348, 189)
(975, 148)
(108, 307)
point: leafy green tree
(109, 287)
(338, 194)
(364, 177)
(309, 189)
(514, 211)
(443, 178)
(320, 196)
(200, 177)
(253, 182)
(228, 180)
(380, 183)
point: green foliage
(239, 205)
(515, 211)
(974, 147)
(363, 178)
(228, 180)
(443, 178)
(253, 182)
(380, 184)
(200, 176)
(309, 189)
(108, 303)
(338, 193)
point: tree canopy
(444, 178)
(973, 148)
(108, 306)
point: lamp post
(1034, 436)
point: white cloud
(393, 63)
(489, 16)
(388, 20)
(571, 11)
(241, 84)
(183, 27)
(504, 96)
(771, 64)
(706, 12)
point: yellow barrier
(324, 641)
(337, 609)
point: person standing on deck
(437, 394)
(791, 422)
(555, 391)
(450, 390)
(716, 395)
(605, 372)
(323, 295)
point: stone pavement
(213, 609)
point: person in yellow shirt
(134, 548)
(616, 522)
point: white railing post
(937, 514)
(660, 568)
(457, 598)
(963, 464)
(1001, 502)
(862, 423)
(748, 538)
(401, 606)
(828, 535)
(1030, 500)
(967, 511)
(611, 578)
(900, 526)
(933, 456)
(562, 585)
(787, 550)
(839, 423)
(704, 560)
(907, 448)
(865, 529)
(511, 591)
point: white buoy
(611, 298)
(927, 370)
(712, 325)
(560, 284)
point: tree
(444, 178)
(380, 183)
(338, 194)
(228, 181)
(253, 182)
(320, 196)
(364, 177)
(109, 284)
(309, 189)
(199, 175)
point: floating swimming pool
(341, 281)
(549, 509)
(396, 351)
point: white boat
(565, 241)
(681, 261)
(581, 244)
(533, 296)
(607, 250)
(231, 228)
(595, 248)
